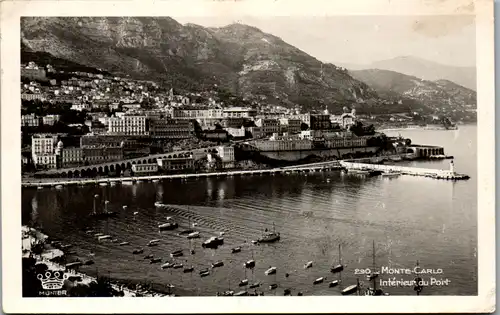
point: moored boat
(155, 260)
(167, 265)
(250, 263)
(153, 242)
(124, 243)
(270, 271)
(319, 280)
(216, 264)
(270, 237)
(334, 283)
(213, 242)
(188, 269)
(177, 253)
(350, 289)
(236, 250)
(243, 283)
(138, 251)
(309, 264)
(273, 286)
(195, 234)
(168, 226)
(178, 266)
(241, 293)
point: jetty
(449, 174)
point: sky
(361, 40)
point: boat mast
(373, 269)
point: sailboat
(103, 215)
(339, 267)
(270, 237)
(418, 286)
(372, 277)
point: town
(79, 118)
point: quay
(406, 170)
(314, 167)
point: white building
(43, 150)
(239, 112)
(29, 120)
(50, 119)
(80, 107)
(131, 125)
(236, 132)
(227, 156)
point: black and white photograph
(176, 155)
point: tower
(452, 167)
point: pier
(314, 167)
(406, 170)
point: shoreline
(119, 285)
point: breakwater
(406, 170)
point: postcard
(248, 156)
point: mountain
(240, 58)
(437, 94)
(424, 69)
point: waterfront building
(128, 125)
(143, 169)
(50, 119)
(43, 150)
(71, 156)
(283, 145)
(177, 163)
(30, 120)
(226, 154)
(171, 128)
(268, 126)
(239, 112)
(100, 154)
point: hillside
(440, 94)
(238, 57)
(424, 69)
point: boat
(309, 264)
(89, 262)
(155, 180)
(372, 276)
(153, 242)
(334, 283)
(177, 253)
(59, 186)
(228, 293)
(204, 273)
(236, 250)
(269, 237)
(102, 215)
(270, 271)
(178, 266)
(273, 286)
(350, 289)
(155, 260)
(254, 285)
(186, 232)
(339, 267)
(104, 237)
(103, 184)
(124, 207)
(213, 242)
(216, 264)
(39, 187)
(150, 256)
(98, 234)
(188, 269)
(112, 183)
(65, 246)
(319, 280)
(168, 226)
(194, 235)
(241, 293)
(159, 204)
(167, 265)
(250, 263)
(243, 283)
(358, 172)
(138, 251)
(124, 243)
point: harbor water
(409, 218)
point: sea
(394, 226)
